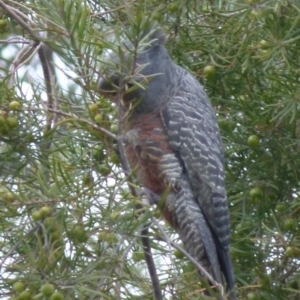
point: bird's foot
(131, 137)
(173, 183)
(148, 197)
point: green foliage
(67, 218)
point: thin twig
(23, 56)
(108, 11)
(12, 250)
(12, 14)
(150, 262)
(15, 40)
(45, 59)
(76, 118)
(196, 263)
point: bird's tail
(226, 269)
(193, 229)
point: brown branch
(14, 16)
(144, 232)
(150, 262)
(46, 58)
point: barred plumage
(173, 143)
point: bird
(173, 144)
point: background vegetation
(68, 222)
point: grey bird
(173, 143)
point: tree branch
(14, 16)
(144, 232)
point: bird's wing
(194, 134)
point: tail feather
(193, 229)
(226, 269)
(198, 238)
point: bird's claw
(148, 197)
(174, 184)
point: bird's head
(137, 73)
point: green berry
(45, 211)
(93, 108)
(289, 224)
(9, 197)
(15, 105)
(19, 287)
(178, 254)
(98, 153)
(3, 24)
(47, 289)
(209, 71)
(114, 129)
(256, 192)
(263, 44)
(107, 236)
(98, 118)
(253, 141)
(25, 295)
(79, 234)
(138, 256)
(281, 207)
(36, 215)
(57, 296)
(252, 296)
(12, 122)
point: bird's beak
(108, 87)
